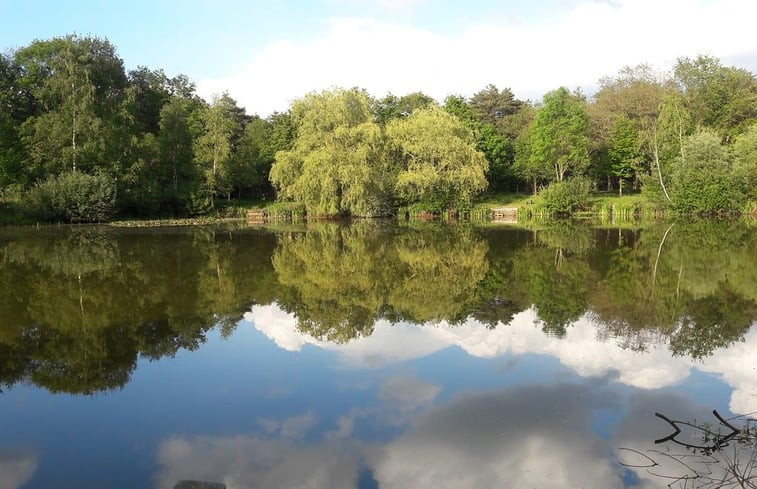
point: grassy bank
(600, 204)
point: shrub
(73, 197)
(705, 181)
(567, 196)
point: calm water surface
(376, 355)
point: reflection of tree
(339, 280)
(78, 306)
(692, 284)
(439, 269)
(701, 455)
(556, 276)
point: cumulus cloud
(16, 468)
(583, 42)
(580, 350)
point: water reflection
(579, 349)
(366, 355)
(16, 468)
(79, 306)
(711, 452)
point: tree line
(82, 139)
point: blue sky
(265, 53)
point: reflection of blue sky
(413, 406)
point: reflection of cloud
(293, 428)
(738, 367)
(16, 469)
(249, 462)
(407, 392)
(579, 350)
(524, 437)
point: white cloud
(575, 48)
(579, 350)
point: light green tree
(744, 154)
(339, 163)
(704, 181)
(441, 166)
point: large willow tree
(339, 161)
(441, 166)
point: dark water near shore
(372, 355)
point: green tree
(722, 98)
(557, 140)
(636, 93)
(12, 114)
(254, 158)
(147, 93)
(392, 107)
(176, 152)
(78, 85)
(704, 182)
(491, 105)
(744, 154)
(339, 163)
(214, 150)
(441, 166)
(499, 150)
(624, 152)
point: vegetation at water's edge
(83, 140)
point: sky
(268, 53)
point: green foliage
(704, 182)
(498, 149)
(744, 155)
(73, 197)
(567, 196)
(249, 170)
(556, 143)
(719, 97)
(491, 105)
(339, 163)
(214, 150)
(440, 163)
(623, 152)
(393, 107)
(79, 86)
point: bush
(73, 197)
(705, 182)
(567, 196)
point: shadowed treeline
(79, 306)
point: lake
(378, 355)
